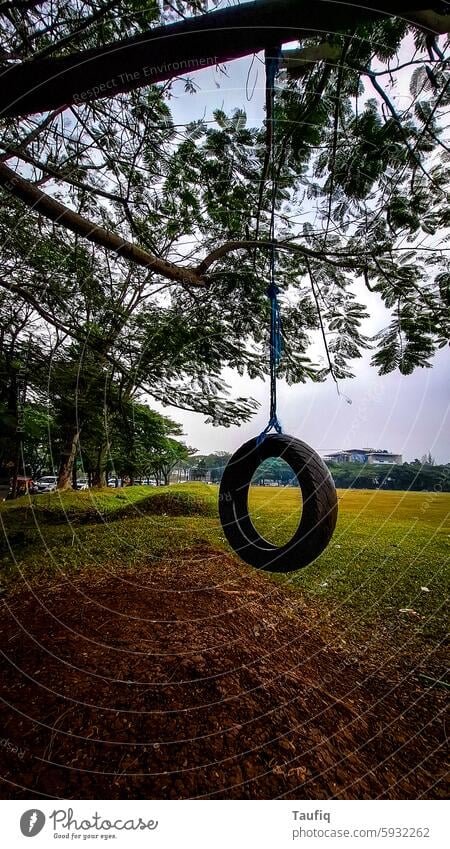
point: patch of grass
(275, 511)
(197, 500)
(103, 504)
(389, 552)
(45, 533)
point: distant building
(364, 455)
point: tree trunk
(13, 410)
(99, 475)
(74, 476)
(68, 455)
(16, 470)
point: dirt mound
(95, 508)
(202, 678)
(168, 504)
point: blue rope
(276, 339)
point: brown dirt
(201, 678)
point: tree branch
(235, 245)
(22, 5)
(35, 132)
(100, 347)
(38, 201)
(431, 21)
(322, 326)
(59, 175)
(411, 150)
(169, 51)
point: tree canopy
(139, 247)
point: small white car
(47, 483)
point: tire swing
(320, 507)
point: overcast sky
(405, 415)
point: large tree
(148, 241)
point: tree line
(64, 411)
(414, 476)
(419, 475)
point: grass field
(389, 552)
(141, 659)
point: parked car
(82, 483)
(47, 483)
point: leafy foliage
(361, 212)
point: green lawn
(387, 547)
(389, 552)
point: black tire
(319, 513)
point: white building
(365, 455)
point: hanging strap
(276, 340)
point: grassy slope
(95, 505)
(387, 546)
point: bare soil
(202, 678)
